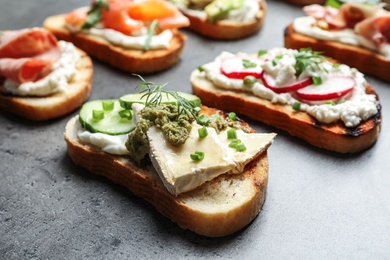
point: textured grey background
(319, 205)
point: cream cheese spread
(62, 72)
(356, 107)
(306, 25)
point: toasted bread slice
(54, 105)
(228, 30)
(334, 137)
(360, 58)
(131, 60)
(217, 208)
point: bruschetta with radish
(135, 36)
(224, 19)
(352, 33)
(327, 104)
(41, 78)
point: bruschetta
(329, 105)
(202, 168)
(42, 78)
(354, 34)
(134, 36)
(224, 19)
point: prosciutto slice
(27, 54)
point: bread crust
(228, 30)
(333, 137)
(210, 210)
(130, 60)
(362, 59)
(57, 104)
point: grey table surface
(320, 205)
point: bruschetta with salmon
(41, 78)
(135, 36)
(352, 33)
(329, 105)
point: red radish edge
(240, 74)
(337, 87)
(288, 88)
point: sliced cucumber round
(127, 100)
(110, 121)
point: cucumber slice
(112, 123)
(127, 100)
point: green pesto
(175, 126)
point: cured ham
(371, 22)
(27, 54)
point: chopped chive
(203, 120)
(97, 115)
(261, 52)
(200, 69)
(232, 116)
(197, 156)
(240, 147)
(249, 81)
(125, 113)
(296, 106)
(108, 105)
(234, 143)
(231, 134)
(330, 102)
(202, 132)
(248, 64)
(197, 110)
(317, 80)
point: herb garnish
(339, 3)
(154, 93)
(306, 58)
(95, 13)
(151, 32)
(248, 64)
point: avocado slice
(219, 9)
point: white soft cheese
(359, 105)
(306, 25)
(159, 41)
(180, 173)
(113, 144)
(247, 12)
(62, 73)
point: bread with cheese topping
(55, 105)
(228, 30)
(363, 59)
(334, 136)
(217, 208)
(131, 60)
(307, 2)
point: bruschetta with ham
(135, 36)
(354, 34)
(329, 105)
(41, 78)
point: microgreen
(306, 58)
(248, 64)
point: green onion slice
(231, 133)
(249, 81)
(232, 116)
(197, 156)
(202, 132)
(97, 115)
(125, 113)
(317, 80)
(296, 106)
(240, 147)
(203, 120)
(108, 105)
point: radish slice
(335, 87)
(269, 82)
(233, 67)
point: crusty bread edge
(306, 2)
(130, 60)
(55, 105)
(362, 59)
(227, 30)
(144, 182)
(333, 137)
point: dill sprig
(154, 94)
(306, 58)
(95, 13)
(151, 32)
